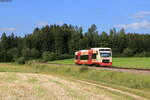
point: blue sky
(22, 16)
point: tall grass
(131, 80)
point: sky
(23, 16)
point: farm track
(119, 69)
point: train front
(105, 57)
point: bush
(144, 54)
(128, 52)
(21, 60)
(117, 54)
(64, 56)
(49, 56)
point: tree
(49, 56)
(63, 40)
(26, 53)
(34, 53)
(13, 54)
(4, 42)
(75, 42)
(122, 43)
(104, 40)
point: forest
(61, 41)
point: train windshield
(105, 54)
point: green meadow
(133, 62)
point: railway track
(119, 69)
(125, 69)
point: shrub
(21, 60)
(49, 56)
(144, 54)
(128, 52)
(64, 56)
(117, 54)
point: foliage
(20, 60)
(64, 56)
(34, 53)
(128, 52)
(144, 54)
(49, 56)
(64, 40)
(13, 54)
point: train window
(84, 57)
(94, 56)
(76, 57)
(105, 50)
(105, 54)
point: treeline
(60, 42)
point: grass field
(28, 86)
(133, 83)
(134, 62)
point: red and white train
(96, 56)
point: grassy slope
(134, 62)
(110, 78)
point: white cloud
(141, 14)
(135, 25)
(42, 23)
(7, 29)
(60, 23)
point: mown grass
(130, 80)
(133, 62)
(10, 78)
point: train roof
(81, 50)
(93, 49)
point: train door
(79, 54)
(90, 57)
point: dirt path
(114, 90)
(27, 86)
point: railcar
(94, 56)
